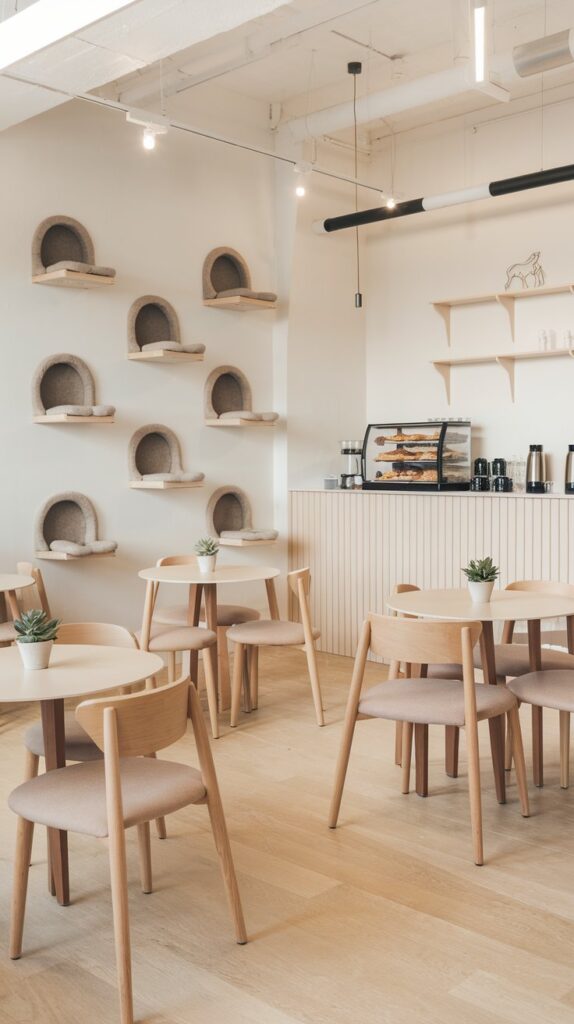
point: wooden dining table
(504, 606)
(75, 670)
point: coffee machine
(352, 476)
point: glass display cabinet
(431, 455)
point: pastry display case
(432, 455)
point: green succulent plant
(34, 627)
(481, 570)
(206, 546)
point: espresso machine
(352, 476)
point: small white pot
(480, 593)
(206, 563)
(35, 656)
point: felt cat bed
(67, 526)
(154, 455)
(229, 518)
(227, 395)
(153, 325)
(225, 274)
(62, 243)
(63, 386)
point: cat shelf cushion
(247, 534)
(103, 410)
(102, 547)
(270, 417)
(182, 478)
(248, 293)
(97, 547)
(70, 410)
(81, 268)
(247, 414)
(173, 346)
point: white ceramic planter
(35, 656)
(480, 593)
(206, 563)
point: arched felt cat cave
(67, 527)
(154, 457)
(229, 519)
(63, 391)
(63, 255)
(227, 282)
(227, 400)
(154, 334)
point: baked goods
(423, 475)
(400, 436)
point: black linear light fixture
(354, 68)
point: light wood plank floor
(384, 920)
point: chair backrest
(177, 560)
(548, 587)
(405, 588)
(32, 597)
(420, 642)
(104, 634)
(145, 722)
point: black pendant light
(354, 68)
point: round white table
(504, 606)
(10, 582)
(75, 670)
(206, 582)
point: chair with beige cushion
(126, 789)
(227, 615)
(28, 598)
(550, 688)
(250, 636)
(419, 702)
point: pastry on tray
(400, 436)
(426, 475)
(407, 455)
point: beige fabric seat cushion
(553, 688)
(514, 660)
(227, 614)
(269, 633)
(186, 638)
(74, 799)
(432, 701)
(79, 746)
(7, 632)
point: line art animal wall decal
(529, 270)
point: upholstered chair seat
(270, 633)
(432, 701)
(227, 614)
(514, 659)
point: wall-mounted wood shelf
(164, 485)
(506, 360)
(72, 279)
(76, 420)
(61, 556)
(237, 542)
(162, 356)
(240, 303)
(231, 422)
(505, 299)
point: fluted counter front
(358, 544)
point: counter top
(434, 494)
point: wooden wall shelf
(164, 485)
(505, 299)
(240, 303)
(61, 556)
(236, 542)
(506, 360)
(231, 422)
(72, 279)
(76, 420)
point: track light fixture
(354, 68)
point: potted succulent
(206, 550)
(481, 575)
(36, 634)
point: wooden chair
(126, 789)
(28, 598)
(550, 688)
(513, 660)
(276, 633)
(423, 702)
(227, 615)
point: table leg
(451, 743)
(55, 757)
(535, 652)
(272, 599)
(193, 613)
(422, 759)
(496, 733)
(210, 598)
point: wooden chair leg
(564, 749)
(118, 874)
(171, 666)
(474, 792)
(508, 748)
(24, 836)
(223, 847)
(407, 748)
(496, 728)
(519, 763)
(422, 759)
(31, 765)
(399, 743)
(451, 745)
(211, 687)
(144, 851)
(237, 682)
(224, 676)
(159, 822)
(341, 770)
(253, 657)
(537, 760)
(315, 685)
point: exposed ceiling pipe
(523, 61)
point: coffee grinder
(352, 475)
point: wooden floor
(383, 921)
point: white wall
(465, 251)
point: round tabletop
(224, 574)
(13, 581)
(75, 670)
(504, 605)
